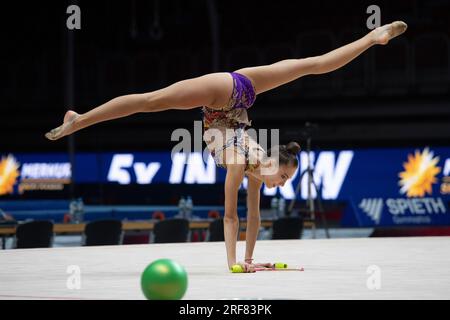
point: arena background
(378, 117)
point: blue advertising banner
(382, 186)
(398, 187)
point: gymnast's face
(279, 177)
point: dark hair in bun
(293, 147)
(287, 153)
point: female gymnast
(224, 98)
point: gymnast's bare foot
(65, 129)
(383, 34)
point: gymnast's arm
(253, 216)
(233, 180)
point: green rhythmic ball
(164, 279)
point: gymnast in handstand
(224, 98)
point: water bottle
(80, 210)
(281, 207)
(274, 206)
(76, 209)
(181, 207)
(189, 207)
(72, 210)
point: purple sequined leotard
(231, 121)
(234, 114)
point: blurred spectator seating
(287, 228)
(34, 234)
(171, 230)
(103, 233)
(215, 231)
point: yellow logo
(420, 174)
(9, 171)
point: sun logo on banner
(420, 174)
(9, 171)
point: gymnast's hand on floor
(260, 265)
(264, 265)
(247, 267)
